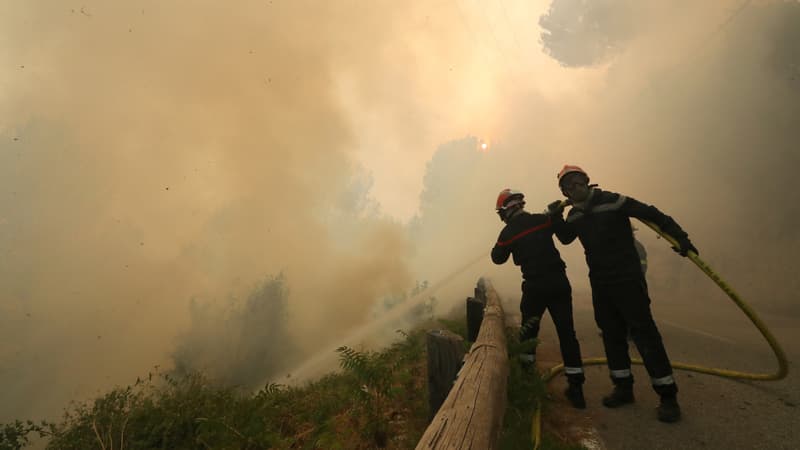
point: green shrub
(378, 397)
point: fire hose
(783, 367)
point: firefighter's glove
(685, 246)
(556, 209)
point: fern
(354, 361)
(273, 388)
(374, 374)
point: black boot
(669, 411)
(622, 395)
(574, 394)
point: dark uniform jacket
(529, 237)
(604, 228)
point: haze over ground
(161, 164)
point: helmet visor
(571, 179)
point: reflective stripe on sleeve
(573, 370)
(625, 373)
(610, 206)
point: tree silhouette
(581, 33)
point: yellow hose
(783, 367)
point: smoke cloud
(154, 153)
(163, 163)
(693, 109)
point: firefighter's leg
(651, 346)
(532, 307)
(560, 307)
(612, 323)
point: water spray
(323, 359)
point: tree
(581, 33)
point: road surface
(718, 413)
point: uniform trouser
(623, 306)
(554, 294)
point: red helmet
(509, 198)
(571, 169)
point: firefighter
(601, 221)
(529, 238)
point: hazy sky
(154, 152)
(461, 61)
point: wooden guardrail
(471, 416)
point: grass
(378, 400)
(526, 391)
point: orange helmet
(509, 198)
(567, 169)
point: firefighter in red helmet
(601, 221)
(529, 238)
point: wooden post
(471, 416)
(475, 306)
(445, 356)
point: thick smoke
(157, 152)
(696, 111)
(240, 343)
(154, 152)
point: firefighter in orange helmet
(601, 220)
(529, 238)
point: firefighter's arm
(649, 213)
(565, 232)
(500, 252)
